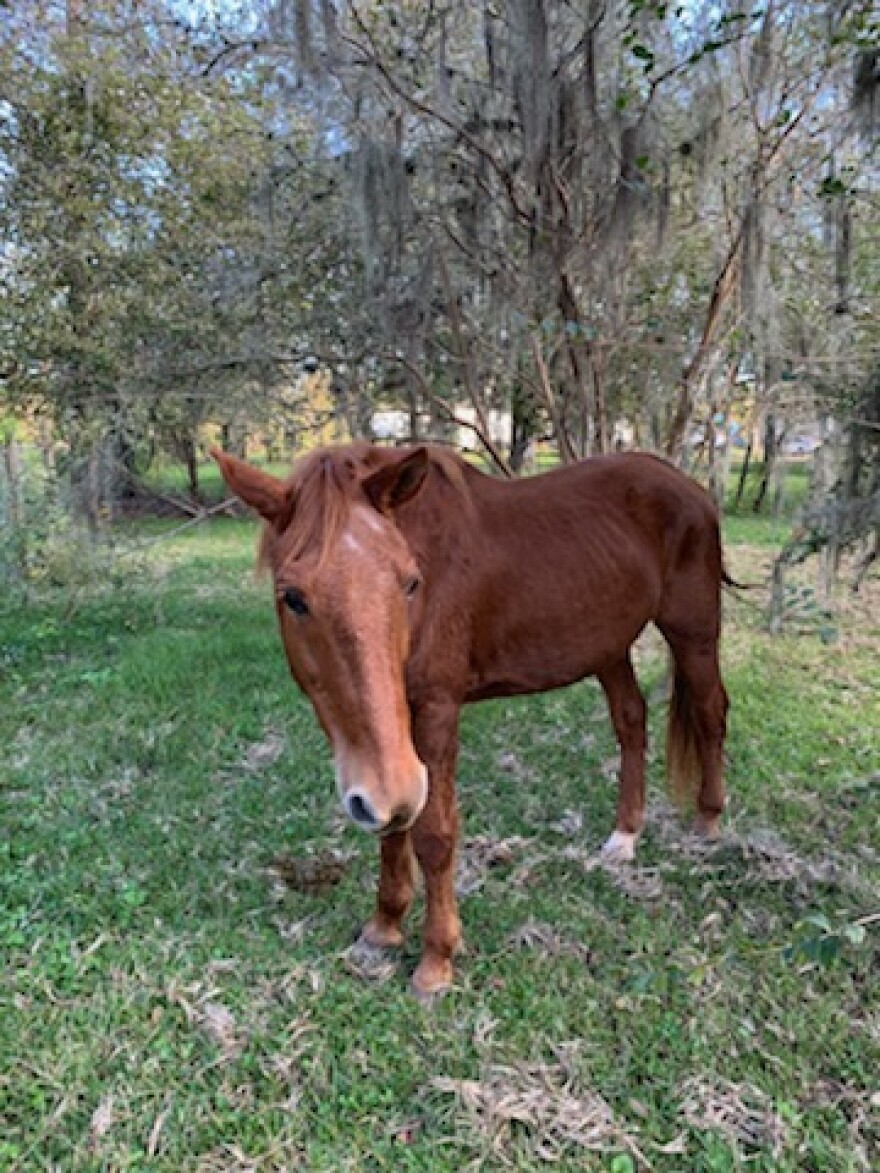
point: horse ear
(397, 482)
(265, 493)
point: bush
(47, 546)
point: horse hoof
(379, 936)
(431, 980)
(620, 847)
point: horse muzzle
(389, 817)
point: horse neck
(444, 525)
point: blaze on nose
(362, 813)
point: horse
(409, 583)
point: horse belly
(576, 633)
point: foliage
(48, 549)
(582, 214)
(128, 217)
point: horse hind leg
(627, 707)
(697, 729)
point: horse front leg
(434, 838)
(384, 929)
(627, 706)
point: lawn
(169, 1002)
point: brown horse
(407, 583)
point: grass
(170, 478)
(167, 1003)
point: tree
(129, 224)
(519, 173)
(606, 218)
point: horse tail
(683, 771)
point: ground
(178, 895)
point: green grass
(168, 477)
(165, 1004)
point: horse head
(347, 589)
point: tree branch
(479, 429)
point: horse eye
(412, 586)
(293, 599)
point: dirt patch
(202, 1009)
(541, 1105)
(763, 854)
(310, 873)
(861, 1110)
(538, 936)
(741, 1112)
(770, 860)
(478, 856)
(370, 964)
(260, 755)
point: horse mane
(323, 485)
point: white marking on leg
(620, 846)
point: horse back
(629, 514)
(557, 574)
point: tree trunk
(601, 435)
(233, 439)
(716, 473)
(522, 423)
(412, 405)
(192, 470)
(719, 462)
(567, 453)
(744, 471)
(12, 470)
(725, 284)
(584, 378)
(747, 460)
(778, 482)
(771, 451)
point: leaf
(133, 896)
(854, 933)
(643, 53)
(825, 949)
(622, 1163)
(697, 975)
(818, 920)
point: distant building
(394, 425)
(390, 424)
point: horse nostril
(361, 812)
